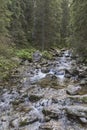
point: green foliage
(6, 62)
(6, 50)
(25, 53)
(21, 21)
(65, 21)
(6, 65)
(37, 22)
(5, 16)
(47, 54)
(79, 26)
(47, 22)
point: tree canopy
(45, 23)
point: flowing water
(42, 100)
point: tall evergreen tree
(4, 17)
(16, 28)
(79, 25)
(47, 19)
(64, 21)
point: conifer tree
(79, 25)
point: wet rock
(46, 126)
(52, 112)
(28, 120)
(50, 80)
(63, 101)
(67, 74)
(14, 123)
(67, 55)
(24, 108)
(83, 82)
(38, 66)
(79, 98)
(45, 70)
(17, 101)
(37, 56)
(52, 125)
(4, 118)
(73, 90)
(35, 97)
(83, 91)
(45, 102)
(55, 51)
(59, 72)
(77, 111)
(47, 118)
(83, 74)
(83, 120)
(44, 62)
(26, 63)
(74, 72)
(63, 49)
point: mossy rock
(79, 98)
(35, 97)
(84, 99)
(24, 123)
(47, 55)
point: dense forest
(41, 25)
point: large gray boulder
(52, 125)
(37, 56)
(77, 111)
(73, 90)
(52, 111)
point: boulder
(45, 70)
(55, 51)
(73, 90)
(48, 81)
(67, 74)
(83, 120)
(28, 120)
(83, 82)
(77, 111)
(52, 125)
(79, 98)
(37, 56)
(83, 74)
(52, 112)
(74, 72)
(14, 123)
(35, 97)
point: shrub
(47, 54)
(25, 53)
(5, 66)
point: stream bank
(46, 95)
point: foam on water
(38, 76)
(57, 71)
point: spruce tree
(79, 25)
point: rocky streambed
(46, 95)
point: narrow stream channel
(48, 96)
